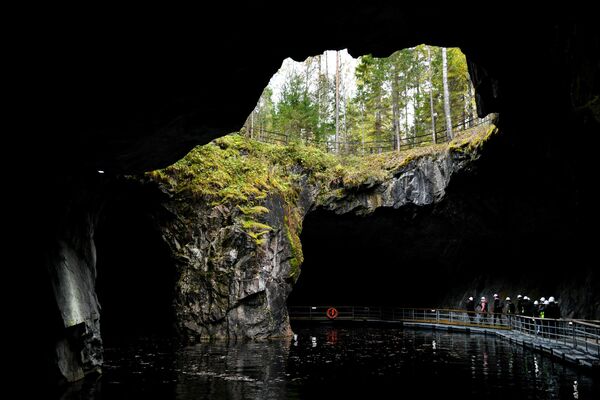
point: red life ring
(332, 313)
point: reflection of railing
(580, 335)
(361, 147)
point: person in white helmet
(497, 308)
(527, 306)
(552, 313)
(509, 307)
(552, 310)
(519, 310)
(470, 306)
(483, 307)
(536, 314)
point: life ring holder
(332, 313)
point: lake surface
(336, 362)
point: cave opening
(391, 257)
(135, 271)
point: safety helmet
(483, 298)
(495, 294)
(519, 296)
(471, 298)
(543, 299)
(551, 299)
(526, 298)
(508, 299)
(536, 303)
(546, 302)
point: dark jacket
(470, 305)
(510, 308)
(520, 307)
(552, 311)
(497, 306)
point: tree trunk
(430, 76)
(471, 106)
(405, 109)
(337, 101)
(362, 130)
(446, 95)
(395, 107)
(319, 91)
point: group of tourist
(542, 308)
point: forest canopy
(351, 104)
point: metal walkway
(573, 341)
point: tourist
(470, 308)
(483, 308)
(509, 307)
(497, 308)
(519, 305)
(553, 313)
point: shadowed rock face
(126, 98)
(228, 286)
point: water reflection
(337, 362)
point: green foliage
(391, 103)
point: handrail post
(437, 316)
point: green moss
(253, 210)
(293, 228)
(472, 140)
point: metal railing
(362, 147)
(580, 335)
(400, 314)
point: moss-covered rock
(240, 205)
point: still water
(334, 362)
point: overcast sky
(348, 64)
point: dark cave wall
(105, 222)
(93, 95)
(65, 280)
(136, 271)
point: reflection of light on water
(535, 364)
(433, 344)
(575, 391)
(313, 339)
(332, 336)
(485, 363)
